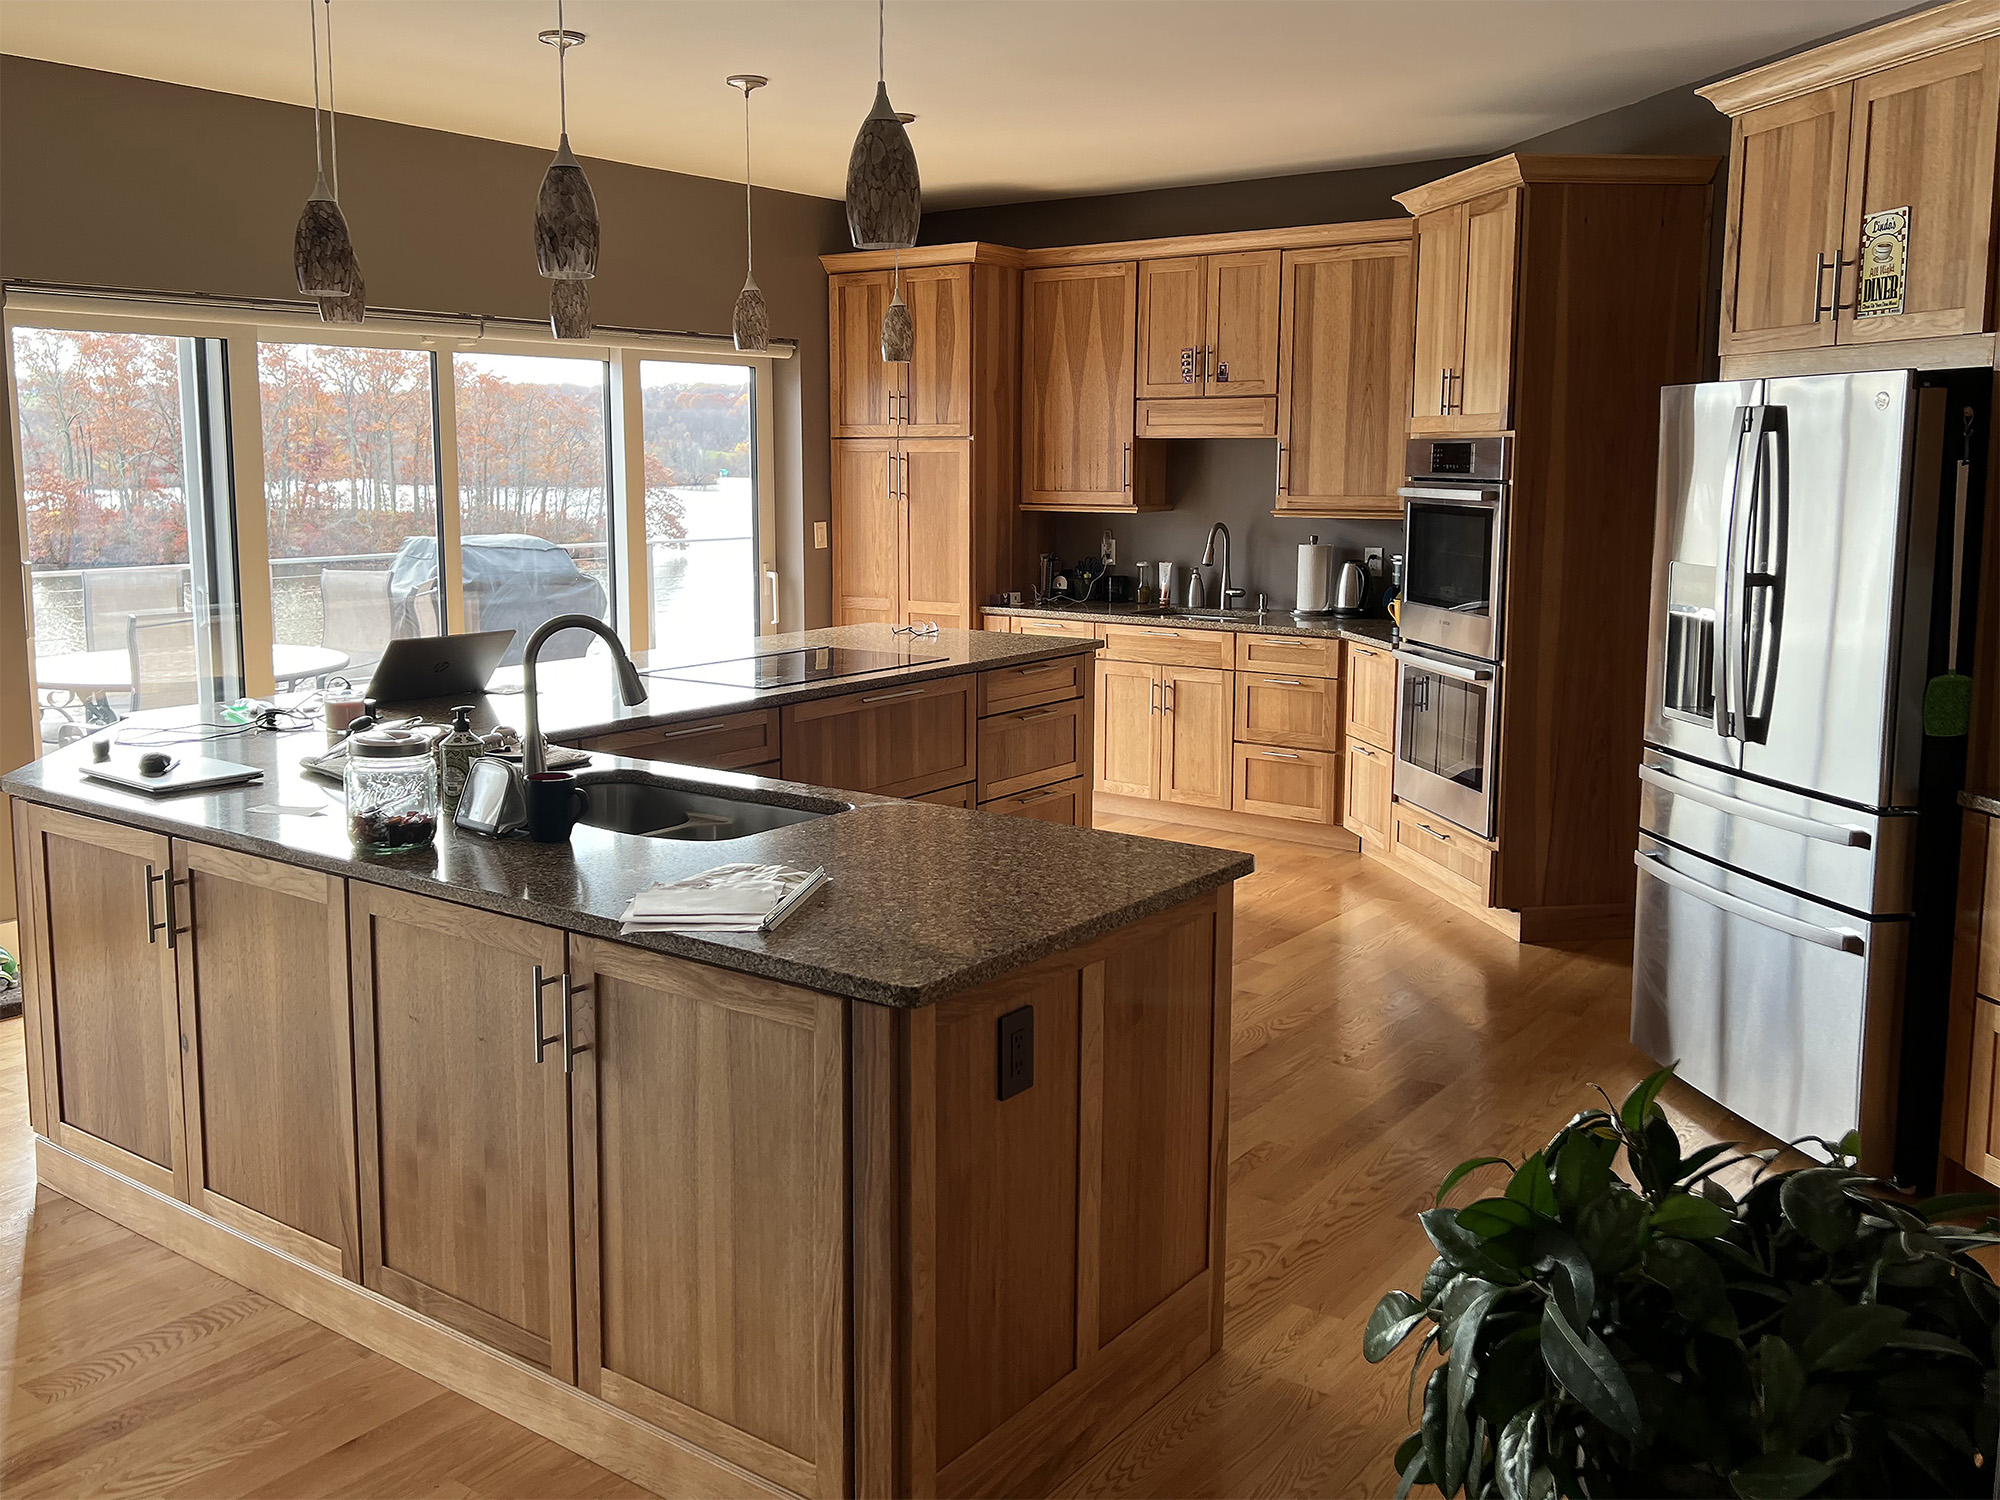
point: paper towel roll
(1315, 596)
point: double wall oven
(1448, 661)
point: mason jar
(392, 791)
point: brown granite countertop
(1981, 802)
(923, 901)
(1368, 630)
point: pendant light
(352, 308)
(322, 251)
(884, 197)
(899, 336)
(566, 231)
(750, 323)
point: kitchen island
(921, 1193)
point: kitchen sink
(1245, 616)
(658, 810)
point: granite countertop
(1368, 630)
(1981, 802)
(923, 901)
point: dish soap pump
(456, 752)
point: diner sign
(1885, 250)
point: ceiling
(1016, 98)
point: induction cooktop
(791, 668)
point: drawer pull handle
(891, 697)
(1040, 713)
(1283, 644)
(1284, 682)
(679, 734)
(1174, 633)
(1034, 797)
(1282, 754)
(1359, 749)
(1442, 838)
(1038, 671)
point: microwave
(1454, 544)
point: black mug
(555, 802)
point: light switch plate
(819, 535)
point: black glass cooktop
(791, 668)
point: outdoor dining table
(93, 674)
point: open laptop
(438, 666)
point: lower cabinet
(1066, 802)
(898, 742)
(1442, 855)
(463, 1105)
(1982, 1121)
(1277, 783)
(709, 1122)
(1368, 793)
(729, 742)
(1165, 732)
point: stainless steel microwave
(1454, 544)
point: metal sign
(1885, 252)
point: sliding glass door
(701, 551)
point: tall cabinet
(925, 454)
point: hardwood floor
(1381, 1036)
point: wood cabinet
(1078, 344)
(463, 1119)
(1303, 713)
(1344, 383)
(864, 388)
(1982, 1120)
(866, 533)
(1028, 748)
(1901, 117)
(1208, 326)
(99, 910)
(1441, 854)
(903, 523)
(1371, 695)
(728, 742)
(1163, 732)
(708, 1114)
(1127, 739)
(931, 396)
(1004, 689)
(1367, 792)
(268, 1053)
(896, 742)
(1288, 655)
(1067, 803)
(1275, 783)
(1464, 373)
(1167, 646)
(1081, 630)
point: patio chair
(111, 596)
(161, 645)
(354, 614)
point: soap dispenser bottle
(456, 752)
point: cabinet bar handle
(1282, 754)
(1444, 392)
(1040, 713)
(1034, 797)
(543, 1041)
(1125, 469)
(1282, 643)
(1819, 285)
(1174, 633)
(1284, 469)
(174, 928)
(1038, 671)
(1166, 697)
(154, 926)
(1153, 699)
(1284, 682)
(1442, 838)
(681, 734)
(1360, 749)
(891, 697)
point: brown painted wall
(119, 181)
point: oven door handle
(1442, 668)
(1838, 938)
(1471, 497)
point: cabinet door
(1481, 398)
(1295, 784)
(267, 1048)
(1243, 298)
(897, 741)
(463, 1120)
(865, 533)
(711, 1195)
(1440, 335)
(1128, 728)
(1371, 696)
(1076, 384)
(1173, 331)
(1921, 137)
(1787, 178)
(1198, 713)
(935, 476)
(1369, 791)
(1982, 1115)
(937, 382)
(101, 906)
(1346, 356)
(1301, 712)
(864, 389)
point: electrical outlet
(1374, 556)
(1108, 549)
(1017, 1051)
(819, 536)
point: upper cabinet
(1464, 365)
(931, 396)
(1861, 180)
(1078, 337)
(1208, 326)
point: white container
(1316, 572)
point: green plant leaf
(1589, 1373)
(1466, 1312)
(1781, 1380)
(1461, 1247)
(1658, 1162)
(1695, 1280)
(1435, 1424)
(1415, 1472)
(1703, 1158)
(1639, 1103)
(1519, 1453)
(1389, 1324)
(1575, 1282)
(1530, 1187)
(1583, 1168)
(1958, 1205)
(1849, 1145)
(1465, 1169)
(1435, 1280)
(1408, 1449)
(1691, 1218)
(1779, 1476)
(1608, 1227)
(1925, 1342)
(1490, 1218)
(1845, 1339)
(1475, 1466)
(1815, 1203)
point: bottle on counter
(456, 752)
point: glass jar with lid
(392, 791)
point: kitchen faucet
(535, 754)
(1223, 591)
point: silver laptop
(438, 666)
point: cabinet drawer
(1081, 630)
(951, 796)
(1168, 647)
(898, 741)
(1288, 655)
(1216, 416)
(1300, 712)
(1007, 688)
(721, 744)
(1032, 748)
(1285, 783)
(1002, 623)
(1067, 802)
(1451, 855)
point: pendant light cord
(332, 116)
(881, 40)
(319, 141)
(749, 258)
(562, 71)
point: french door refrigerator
(1777, 938)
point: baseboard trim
(1576, 924)
(537, 1401)
(1221, 819)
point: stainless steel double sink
(629, 802)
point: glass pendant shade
(569, 309)
(566, 232)
(750, 323)
(899, 337)
(349, 309)
(884, 197)
(322, 252)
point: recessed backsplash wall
(1234, 481)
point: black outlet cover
(1017, 1051)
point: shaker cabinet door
(1482, 395)
(936, 532)
(1440, 338)
(866, 391)
(1077, 352)
(866, 530)
(1787, 172)
(1173, 329)
(1128, 728)
(1199, 709)
(937, 382)
(1243, 298)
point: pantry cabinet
(903, 532)
(1871, 151)
(1464, 360)
(931, 396)
(1078, 346)
(865, 534)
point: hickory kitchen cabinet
(1163, 732)
(1464, 344)
(1079, 448)
(1902, 117)
(903, 541)
(931, 396)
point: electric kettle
(1350, 589)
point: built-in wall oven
(1454, 544)
(1447, 735)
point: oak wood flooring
(1380, 1036)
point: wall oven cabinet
(1447, 737)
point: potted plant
(1660, 1336)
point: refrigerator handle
(1761, 560)
(1721, 663)
(1837, 938)
(1843, 834)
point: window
(131, 594)
(351, 505)
(533, 493)
(701, 507)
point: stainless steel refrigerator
(1795, 566)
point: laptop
(438, 666)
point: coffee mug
(555, 802)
